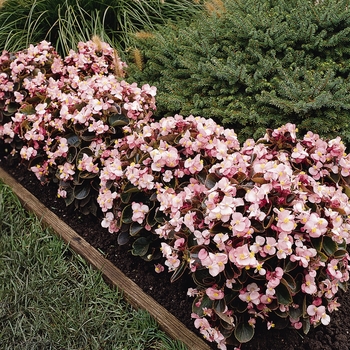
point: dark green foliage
(256, 64)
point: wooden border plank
(131, 291)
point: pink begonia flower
(107, 221)
(285, 220)
(61, 193)
(303, 254)
(256, 247)
(172, 259)
(333, 305)
(259, 269)
(252, 322)
(214, 294)
(333, 269)
(243, 257)
(66, 171)
(318, 314)
(191, 292)
(151, 90)
(6, 129)
(179, 243)
(189, 220)
(251, 294)
(214, 262)
(309, 286)
(344, 164)
(139, 212)
(284, 245)
(270, 325)
(194, 165)
(40, 108)
(167, 176)
(28, 152)
(270, 246)
(299, 153)
(202, 237)
(98, 127)
(87, 164)
(329, 288)
(220, 240)
(230, 282)
(241, 225)
(158, 268)
(105, 199)
(274, 277)
(224, 209)
(316, 226)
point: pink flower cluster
(263, 227)
(57, 98)
(254, 215)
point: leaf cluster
(253, 64)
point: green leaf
(118, 120)
(12, 108)
(125, 197)
(340, 253)
(317, 243)
(70, 197)
(346, 190)
(123, 237)
(227, 319)
(295, 312)
(283, 294)
(71, 154)
(244, 332)
(211, 180)
(140, 246)
(281, 314)
(129, 187)
(159, 216)
(73, 140)
(259, 178)
(28, 110)
(201, 176)
(135, 228)
(179, 271)
(127, 214)
(323, 257)
(85, 150)
(81, 192)
(150, 218)
(219, 305)
(306, 325)
(329, 246)
(289, 282)
(205, 303)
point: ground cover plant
(66, 22)
(262, 227)
(50, 298)
(253, 65)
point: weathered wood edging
(131, 291)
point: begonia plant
(262, 227)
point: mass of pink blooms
(263, 226)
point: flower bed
(262, 227)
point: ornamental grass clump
(262, 227)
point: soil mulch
(336, 336)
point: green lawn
(51, 299)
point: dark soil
(336, 336)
